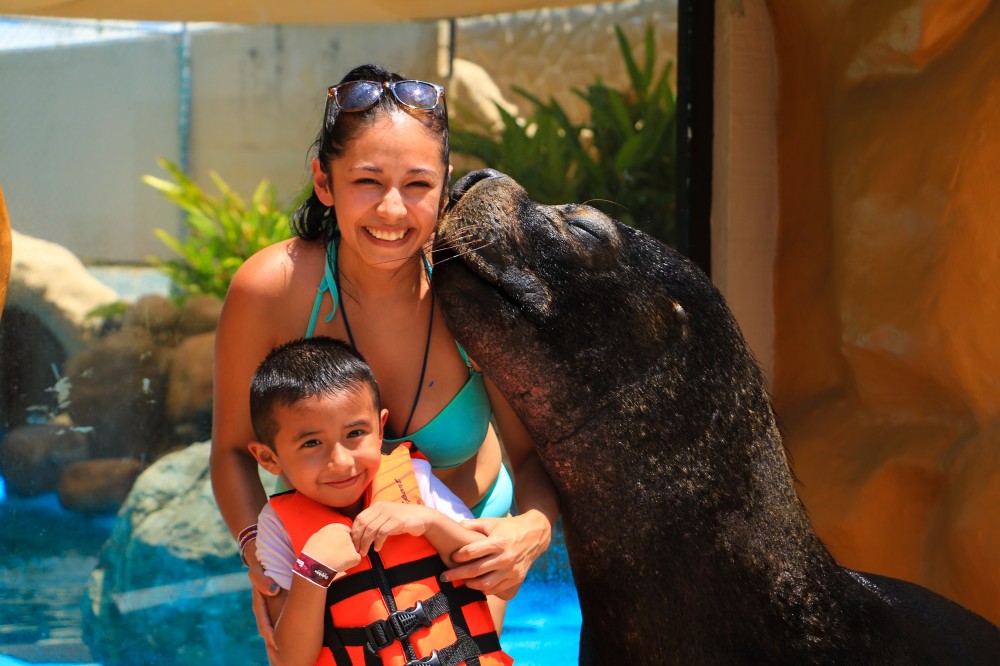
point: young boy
(366, 532)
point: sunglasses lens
(418, 94)
(357, 95)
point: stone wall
(887, 371)
(551, 51)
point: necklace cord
(427, 345)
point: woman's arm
(246, 332)
(501, 561)
(239, 346)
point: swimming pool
(40, 619)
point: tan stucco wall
(551, 51)
(78, 126)
(259, 93)
(887, 303)
(745, 171)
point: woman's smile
(388, 235)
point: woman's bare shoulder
(280, 268)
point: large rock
(155, 314)
(49, 282)
(199, 314)
(118, 389)
(189, 387)
(32, 457)
(97, 486)
(475, 97)
(169, 588)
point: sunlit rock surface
(49, 282)
(169, 587)
(887, 302)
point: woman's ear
(445, 192)
(321, 184)
(266, 457)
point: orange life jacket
(391, 608)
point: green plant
(620, 160)
(221, 231)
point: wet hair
(303, 369)
(313, 219)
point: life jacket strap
(465, 649)
(398, 626)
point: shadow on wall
(886, 290)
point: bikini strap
(326, 284)
(465, 357)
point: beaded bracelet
(248, 534)
(313, 571)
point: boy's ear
(382, 417)
(266, 457)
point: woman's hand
(498, 564)
(263, 587)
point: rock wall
(86, 402)
(887, 373)
(551, 51)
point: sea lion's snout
(466, 182)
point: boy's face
(328, 447)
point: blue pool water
(40, 617)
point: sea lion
(687, 540)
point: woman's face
(387, 189)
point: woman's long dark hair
(315, 220)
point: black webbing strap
(407, 572)
(465, 649)
(400, 624)
(330, 639)
(460, 594)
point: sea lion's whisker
(462, 254)
(608, 201)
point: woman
(379, 184)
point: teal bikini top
(458, 430)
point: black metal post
(695, 80)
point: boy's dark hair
(302, 369)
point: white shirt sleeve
(436, 495)
(274, 548)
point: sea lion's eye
(590, 229)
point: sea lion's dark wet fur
(687, 540)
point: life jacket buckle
(405, 622)
(399, 625)
(432, 660)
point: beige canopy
(271, 11)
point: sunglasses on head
(362, 95)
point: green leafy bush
(222, 231)
(621, 160)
